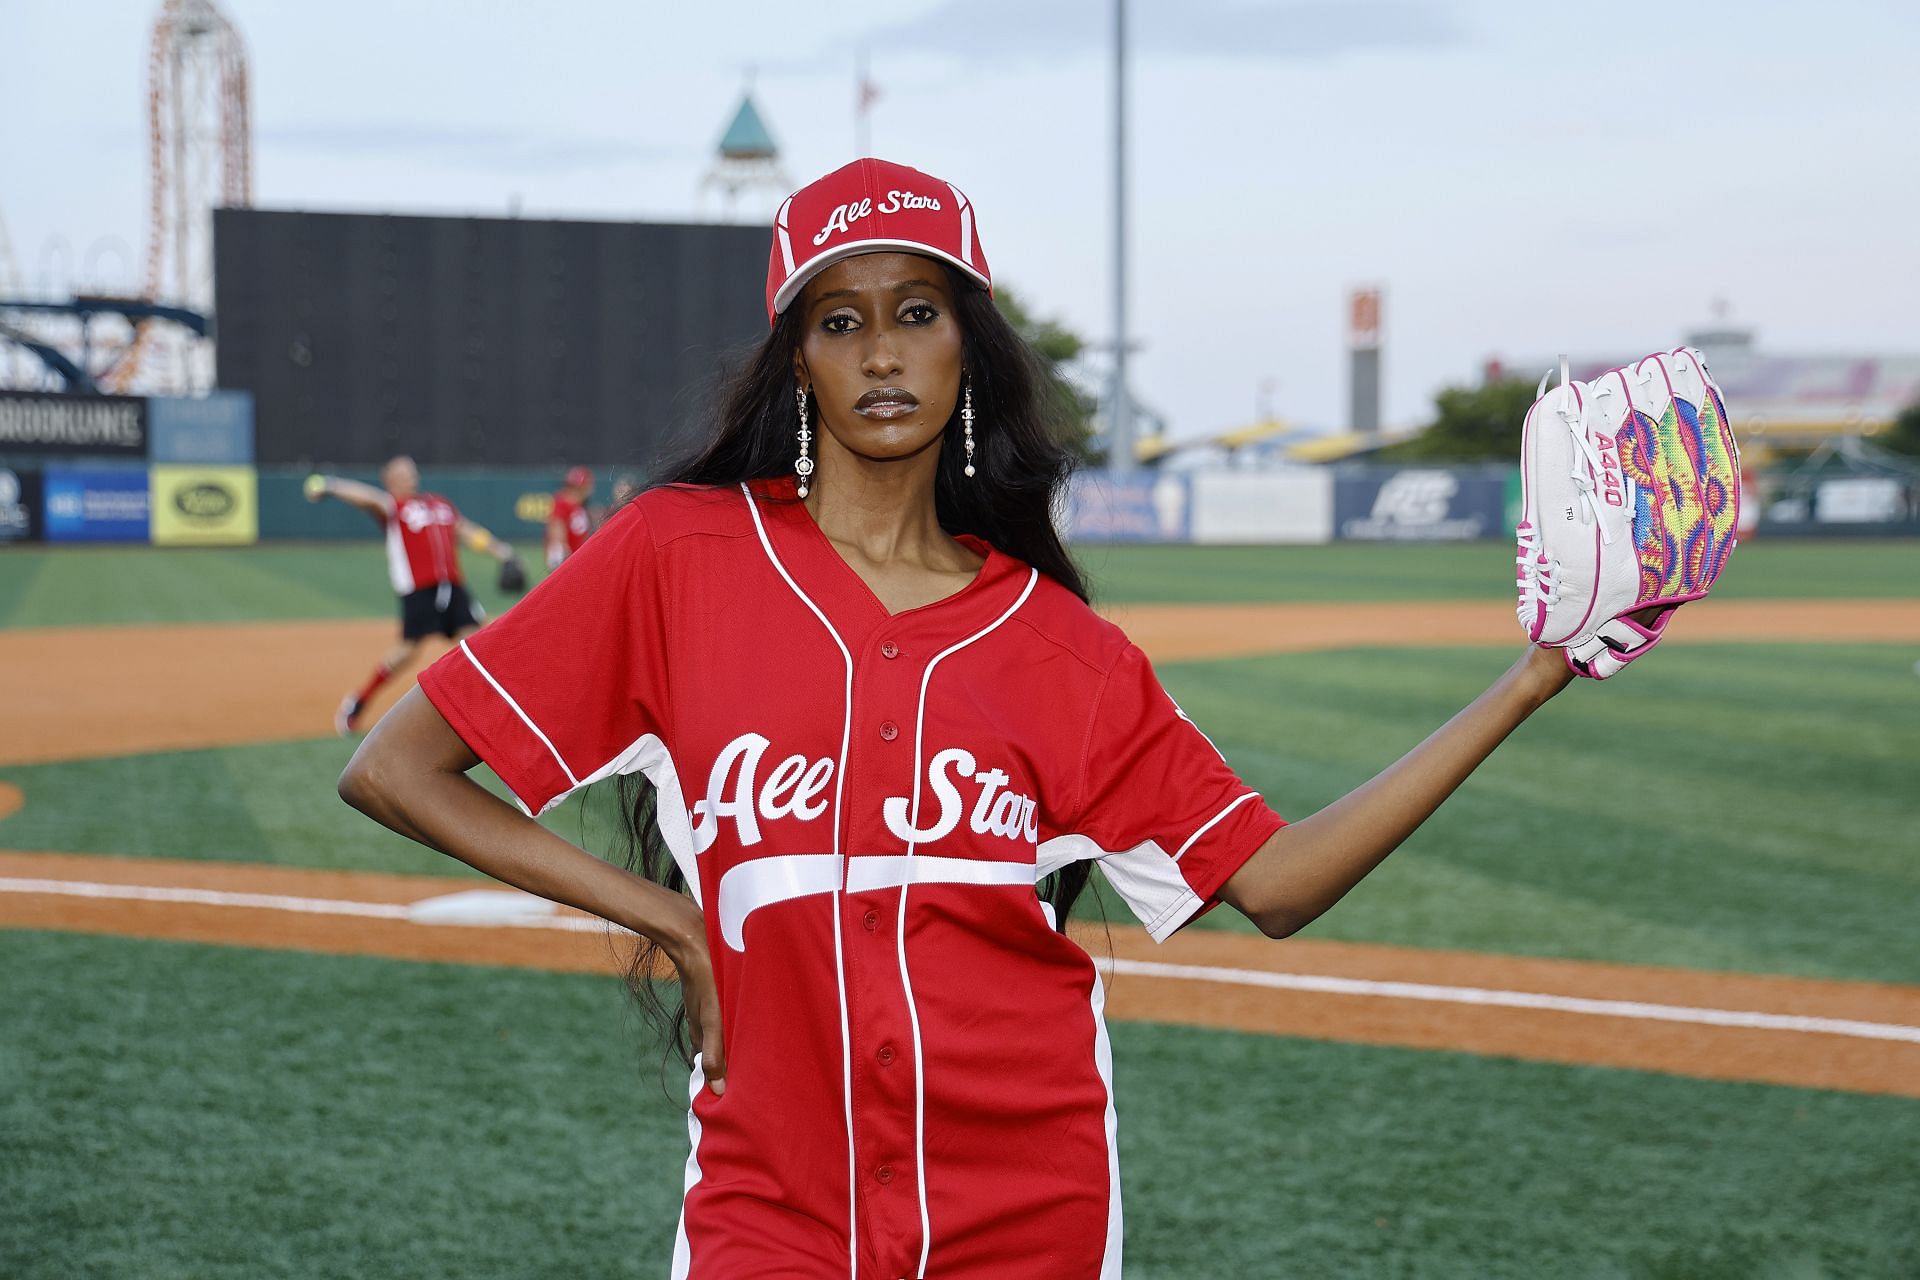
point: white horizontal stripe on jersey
(892, 870)
(784, 877)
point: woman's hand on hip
(701, 995)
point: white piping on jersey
(1212, 822)
(1182, 713)
(646, 755)
(682, 1251)
(525, 719)
(783, 877)
(1103, 1063)
(1147, 876)
(900, 925)
(839, 953)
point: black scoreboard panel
(479, 340)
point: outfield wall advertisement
(1420, 504)
(20, 505)
(215, 429)
(97, 505)
(1145, 507)
(1262, 506)
(43, 423)
(204, 506)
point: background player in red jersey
(423, 532)
(569, 523)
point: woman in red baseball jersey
(883, 739)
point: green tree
(1058, 347)
(1904, 435)
(1471, 424)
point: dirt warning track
(1863, 1037)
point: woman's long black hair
(1020, 419)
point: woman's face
(880, 349)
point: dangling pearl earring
(966, 417)
(803, 465)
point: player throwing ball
(884, 739)
(423, 532)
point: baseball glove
(1631, 506)
(513, 575)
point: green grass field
(68, 586)
(193, 1112)
(175, 1110)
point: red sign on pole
(1363, 320)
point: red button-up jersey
(573, 519)
(422, 542)
(919, 1080)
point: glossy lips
(884, 404)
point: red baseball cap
(869, 206)
(579, 478)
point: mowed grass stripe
(1760, 569)
(354, 1116)
(115, 586)
(82, 586)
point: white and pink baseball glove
(1631, 506)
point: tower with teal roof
(746, 174)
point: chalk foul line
(512, 909)
(1518, 1000)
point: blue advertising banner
(211, 430)
(1419, 504)
(97, 506)
(1144, 508)
(20, 505)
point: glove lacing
(1536, 575)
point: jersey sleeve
(1170, 819)
(570, 684)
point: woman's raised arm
(1308, 866)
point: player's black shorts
(442, 610)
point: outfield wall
(182, 496)
(1304, 505)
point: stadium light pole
(1121, 455)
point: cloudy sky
(1521, 178)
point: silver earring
(966, 417)
(803, 465)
